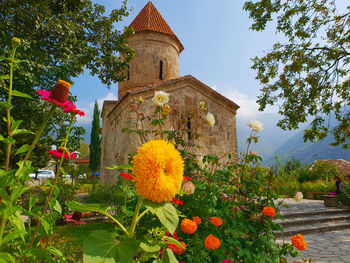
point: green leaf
(6, 258)
(20, 94)
(18, 223)
(55, 252)
(75, 206)
(120, 167)
(127, 130)
(1, 137)
(172, 241)
(101, 246)
(9, 140)
(149, 248)
(4, 77)
(15, 124)
(22, 131)
(169, 257)
(6, 105)
(166, 214)
(24, 148)
(9, 237)
(57, 207)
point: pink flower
(73, 109)
(58, 95)
(75, 218)
(58, 154)
(226, 261)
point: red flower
(73, 109)
(127, 176)
(174, 235)
(58, 95)
(187, 178)
(58, 154)
(177, 202)
(75, 218)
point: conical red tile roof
(149, 19)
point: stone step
(314, 228)
(313, 219)
(287, 215)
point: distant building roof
(149, 19)
(85, 159)
(342, 165)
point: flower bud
(188, 188)
(166, 110)
(298, 197)
(16, 42)
(140, 100)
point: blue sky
(218, 48)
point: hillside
(308, 152)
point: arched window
(189, 131)
(161, 70)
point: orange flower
(216, 221)
(188, 226)
(298, 242)
(197, 220)
(177, 249)
(269, 211)
(212, 243)
(158, 169)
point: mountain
(308, 152)
(270, 138)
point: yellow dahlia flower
(158, 169)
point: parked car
(43, 174)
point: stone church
(156, 68)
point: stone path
(333, 246)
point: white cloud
(249, 109)
(89, 108)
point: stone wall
(151, 48)
(185, 97)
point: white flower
(298, 196)
(200, 163)
(210, 119)
(160, 98)
(188, 188)
(256, 125)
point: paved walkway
(323, 247)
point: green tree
(95, 142)
(60, 39)
(309, 74)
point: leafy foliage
(60, 39)
(309, 74)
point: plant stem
(134, 220)
(8, 112)
(39, 132)
(53, 185)
(118, 223)
(160, 126)
(142, 214)
(2, 226)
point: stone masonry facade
(156, 68)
